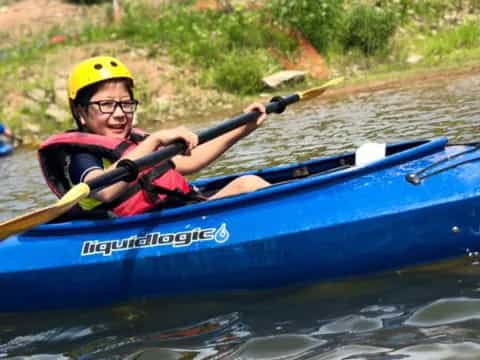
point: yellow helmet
(94, 70)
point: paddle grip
(278, 104)
(132, 168)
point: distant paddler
(6, 132)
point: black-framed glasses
(109, 106)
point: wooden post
(117, 11)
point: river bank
(35, 72)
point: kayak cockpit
(329, 165)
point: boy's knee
(250, 183)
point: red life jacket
(157, 185)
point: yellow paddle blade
(311, 93)
(41, 216)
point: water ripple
(286, 346)
(438, 351)
(446, 311)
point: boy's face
(99, 118)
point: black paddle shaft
(129, 169)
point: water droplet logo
(222, 234)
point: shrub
(317, 20)
(368, 28)
(465, 36)
(240, 73)
(202, 38)
(220, 44)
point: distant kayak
(5, 148)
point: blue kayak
(322, 219)
(5, 148)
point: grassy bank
(211, 59)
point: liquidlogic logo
(179, 239)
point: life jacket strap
(143, 184)
(120, 149)
(174, 197)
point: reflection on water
(423, 313)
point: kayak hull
(338, 224)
